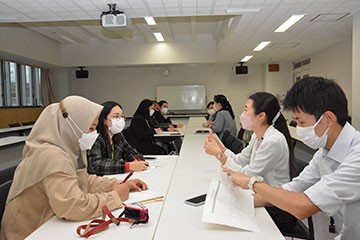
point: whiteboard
(184, 97)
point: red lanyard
(98, 225)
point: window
(26, 86)
(1, 86)
(11, 83)
(20, 85)
(37, 86)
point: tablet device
(196, 201)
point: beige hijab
(52, 145)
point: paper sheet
(142, 196)
(229, 205)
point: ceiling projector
(113, 17)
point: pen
(128, 176)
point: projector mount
(112, 10)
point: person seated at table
(211, 113)
(51, 180)
(224, 117)
(163, 118)
(331, 181)
(141, 131)
(270, 153)
(111, 153)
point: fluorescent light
(242, 10)
(150, 20)
(261, 46)
(159, 36)
(288, 23)
(246, 58)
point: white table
(178, 178)
(192, 177)
(5, 141)
(158, 180)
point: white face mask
(211, 111)
(308, 136)
(151, 112)
(87, 140)
(164, 110)
(117, 126)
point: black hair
(316, 95)
(210, 103)
(162, 102)
(267, 103)
(224, 103)
(143, 109)
(101, 128)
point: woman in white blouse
(270, 151)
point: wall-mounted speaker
(241, 70)
(82, 73)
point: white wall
(335, 63)
(122, 53)
(356, 71)
(129, 86)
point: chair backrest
(301, 231)
(231, 142)
(14, 124)
(28, 123)
(4, 190)
(7, 174)
(176, 145)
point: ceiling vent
(329, 17)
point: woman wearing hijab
(142, 130)
(52, 178)
(111, 153)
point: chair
(176, 145)
(231, 142)
(14, 125)
(28, 123)
(301, 230)
(6, 176)
(4, 190)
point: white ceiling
(78, 22)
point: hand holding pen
(128, 176)
(139, 164)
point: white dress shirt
(267, 157)
(332, 182)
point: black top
(140, 136)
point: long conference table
(177, 178)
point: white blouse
(267, 157)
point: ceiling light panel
(289, 22)
(159, 37)
(150, 21)
(246, 58)
(261, 46)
